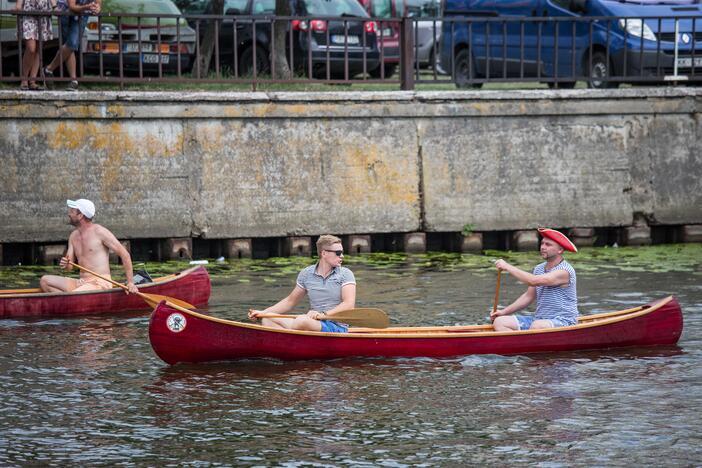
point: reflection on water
(91, 391)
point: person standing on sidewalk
(72, 27)
(35, 30)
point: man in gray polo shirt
(330, 287)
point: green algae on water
(593, 261)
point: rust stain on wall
(372, 175)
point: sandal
(35, 87)
(24, 87)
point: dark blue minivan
(606, 42)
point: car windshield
(421, 8)
(659, 2)
(334, 8)
(143, 7)
(415, 8)
(381, 8)
(150, 7)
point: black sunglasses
(338, 253)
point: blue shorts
(330, 326)
(525, 321)
(72, 28)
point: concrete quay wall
(248, 165)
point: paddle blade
(369, 318)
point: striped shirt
(556, 301)
(324, 293)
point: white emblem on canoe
(176, 322)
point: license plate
(153, 58)
(686, 62)
(134, 47)
(339, 39)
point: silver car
(427, 29)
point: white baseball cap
(84, 206)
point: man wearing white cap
(88, 245)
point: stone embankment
(242, 174)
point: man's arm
(111, 242)
(521, 303)
(348, 300)
(284, 305)
(93, 7)
(70, 255)
(553, 278)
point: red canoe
(178, 335)
(191, 285)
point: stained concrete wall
(230, 165)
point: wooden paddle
(497, 291)
(151, 299)
(20, 291)
(362, 317)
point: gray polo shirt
(324, 293)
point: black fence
(560, 51)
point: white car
(146, 43)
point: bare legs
(64, 54)
(30, 63)
(510, 323)
(54, 283)
(302, 322)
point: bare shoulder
(102, 231)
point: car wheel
(599, 69)
(263, 65)
(390, 69)
(463, 73)
(562, 85)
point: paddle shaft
(290, 316)
(151, 299)
(497, 291)
(115, 283)
(364, 317)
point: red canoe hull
(204, 338)
(192, 285)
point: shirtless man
(89, 245)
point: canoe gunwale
(142, 287)
(587, 321)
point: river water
(90, 391)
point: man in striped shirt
(552, 285)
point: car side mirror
(578, 6)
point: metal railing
(468, 51)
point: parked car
(639, 40)
(388, 34)
(147, 42)
(329, 43)
(427, 30)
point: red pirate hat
(559, 238)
